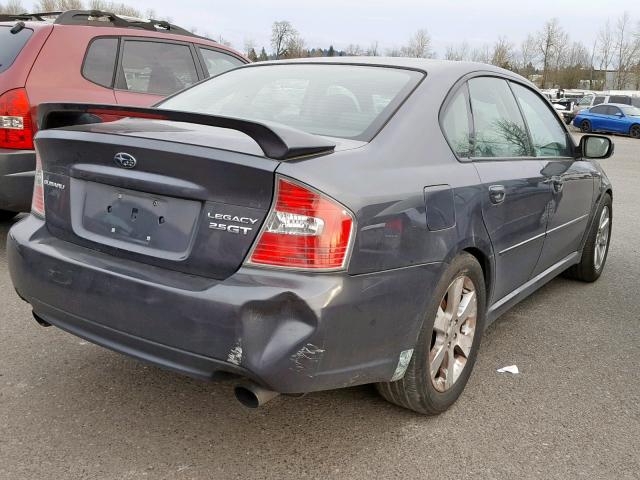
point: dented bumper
(290, 332)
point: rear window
(11, 44)
(344, 101)
(100, 62)
(620, 99)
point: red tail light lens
(16, 127)
(304, 230)
(37, 202)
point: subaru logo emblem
(125, 160)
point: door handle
(497, 194)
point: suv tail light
(16, 127)
(304, 230)
(37, 202)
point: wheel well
(485, 263)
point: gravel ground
(72, 410)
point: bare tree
(354, 50)
(481, 54)
(296, 47)
(548, 43)
(281, 35)
(627, 50)
(503, 54)
(12, 7)
(373, 50)
(528, 56)
(458, 52)
(419, 45)
(605, 48)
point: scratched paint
(235, 355)
(306, 359)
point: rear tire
(6, 215)
(450, 332)
(634, 131)
(594, 255)
(585, 126)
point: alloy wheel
(585, 126)
(453, 332)
(602, 238)
(635, 131)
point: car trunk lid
(193, 203)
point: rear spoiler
(278, 142)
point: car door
(151, 69)
(515, 194)
(570, 179)
(615, 120)
(597, 117)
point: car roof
(129, 32)
(617, 104)
(432, 67)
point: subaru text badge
(125, 160)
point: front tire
(634, 131)
(585, 126)
(596, 248)
(448, 342)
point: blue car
(610, 117)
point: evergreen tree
(331, 52)
(263, 56)
(252, 55)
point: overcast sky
(391, 22)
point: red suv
(93, 57)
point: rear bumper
(16, 179)
(290, 332)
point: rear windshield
(11, 44)
(345, 101)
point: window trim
(115, 65)
(120, 71)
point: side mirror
(596, 147)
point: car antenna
(18, 27)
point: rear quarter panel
(383, 183)
(16, 75)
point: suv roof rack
(98, 18)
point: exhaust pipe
(252, 395)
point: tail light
(304, 230)
(16, 127)
(37, 202)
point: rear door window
(100, 61)
(620, 99)
(499, 127)
(216, 62)
(600, 110)
(598, 100)
(159, 68)
(11, 44)
(548, 136)
(611, 110)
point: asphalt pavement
(72, 410)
